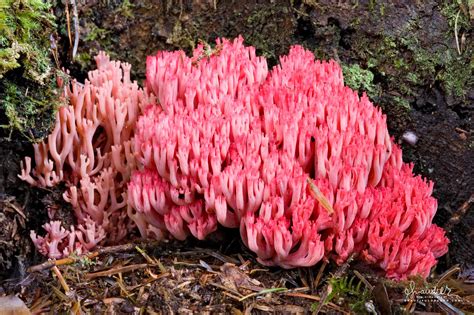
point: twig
(264, 291)
(104, 250)
(456, 32)
(364, 280)
(457, 216)
(68, 22)
(61, 279)
(221, 257)
(65, 261)
(320, 274)
(76, 28)
(315, 298)
(110, 272)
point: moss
(360, 79)
(457, 78)
(401, 102)
(27, 86)
(182, 37)
(24, 35)
(457, 10)
(84, 60)
(96, 33)
(407, 66)
(126, 9)
(257, 22)
(350, 291)
(372, 4)
(29, 109)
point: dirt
(420, 80)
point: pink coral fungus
(301, 164)
(90, 150)
(235, 143)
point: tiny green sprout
(82, 260)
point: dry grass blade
(123, 288)
(145, 255)
(9, 203)
(76, 28)
(447, 274)
(261, 292)
(456, 35)
(320, 274)
(68, 22)
(234, 292)
(40, 304)
(317, 299)
(364, 280)
(63, 297)
(113, 271)
(319, 196)
(76, 308)
(205, 282)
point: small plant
(83, 261)
(348, 290)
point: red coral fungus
(244, 141)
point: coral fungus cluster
(90, 150)
(301, 164)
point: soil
(420, 80)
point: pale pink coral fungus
(90, 150)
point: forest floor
(208, 278)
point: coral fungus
(301, 164)
(89, 149)
(242, 141)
